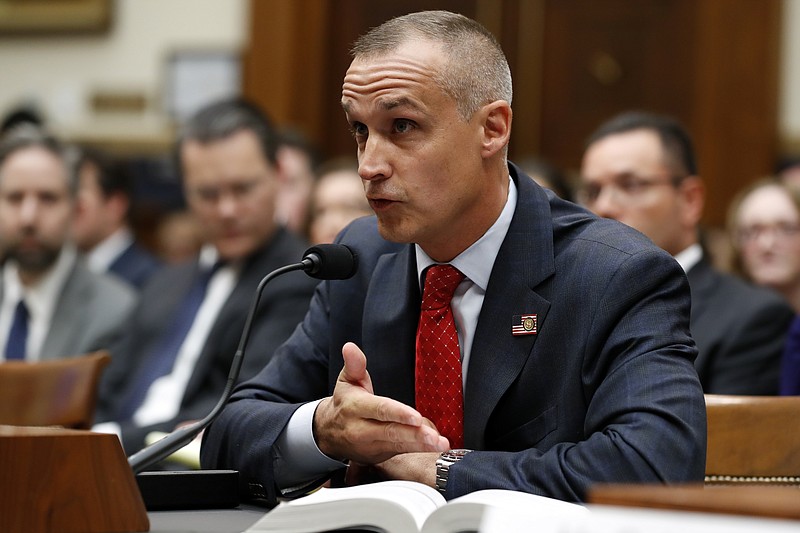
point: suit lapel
(390, 325)
(525, 260)
(66, 323)
(701, 284)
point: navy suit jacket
(135, 265)
(605, 392)
(283, 304)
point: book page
(510, 508)
(391, 506)
(613, 519)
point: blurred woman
(764, 220)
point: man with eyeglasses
(639, 168)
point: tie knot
(440, 284)
(21, 308)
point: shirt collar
(472, 261)
(690, 257)
(41, 298)
(209, 259)
(99, 259)
(208, 256)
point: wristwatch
(443, 463)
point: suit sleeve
(261, 407)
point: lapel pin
(524, 325)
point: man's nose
(29, 209)
(227, 205)
(372, 162)
(606, 204)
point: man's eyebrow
(387, 104)
(402, 101)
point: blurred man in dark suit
(173, 363)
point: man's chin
(392, 233)
(33, 261)
(234, 250)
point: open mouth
(379, 204)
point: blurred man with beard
(50, 304)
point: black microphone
(330, 261)
(324, 261)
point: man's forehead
(34, 166)
(397, 87)
(410, 60)
(625, 153)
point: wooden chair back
(753, 439)
(61, 392)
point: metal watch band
(443, 463)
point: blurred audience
(27, 114)
(101, 230)
(173, 363)
(179, 236)
(51, 305)
(337, 199)
(639, 168)
(547, 175)
(788, 171)
(764, 221)
(297, 161)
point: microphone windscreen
(331, 261)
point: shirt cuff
(298, 459)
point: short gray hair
(27, 135)
(477, 72)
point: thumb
(355, 366)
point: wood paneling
(713, 64)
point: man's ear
(280, 166)
(496, 127)
(120, 204)
(693, 196)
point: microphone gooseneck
(325, 261)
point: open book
(406, 507)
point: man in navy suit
(639, 168)
(101, 228)
(576, 358)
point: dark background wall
(711, 63)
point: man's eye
(207, 195)
(403, 126)
(13, 198)
(632, 186)
(358, 129)
(49, 199)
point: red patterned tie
(438, 367)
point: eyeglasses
(779, 230)
(626, 187)
(238, 191)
